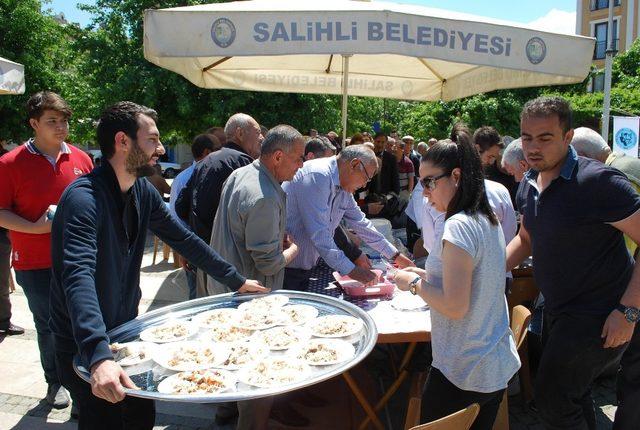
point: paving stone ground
(22, 386)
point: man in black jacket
(198, 202)
(387, 180)
(97, 240)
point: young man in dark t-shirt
(574, 213)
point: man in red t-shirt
(34, 176)
(406, 170)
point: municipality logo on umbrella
(626, 138)
(223, 32)
(536, 50)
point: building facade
(592, 20)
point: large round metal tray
(147, 377)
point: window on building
(600, 33)
(602, 4)
(598, 83)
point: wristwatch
(413, 285)
(631, 314)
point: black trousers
(296, 279)
(628, 412)
(132, 413)
(442, 398)
(572, 358)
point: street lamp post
(608, 63)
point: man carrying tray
(97, 240)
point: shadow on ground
(33, 418)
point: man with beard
(33, 177)
(97, 242)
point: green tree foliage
(116, 67)
(38, 42)
(95, 66)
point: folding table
(393, 326)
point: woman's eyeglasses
(429, 182)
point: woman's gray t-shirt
(477, 352)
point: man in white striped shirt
(318, 198)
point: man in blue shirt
(318, 198)
(97, 242)
(574, 213)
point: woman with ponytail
(474, 354)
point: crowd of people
(258, 209)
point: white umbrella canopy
(395, 51)
(11, 77)
(357, 48)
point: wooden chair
(166, 252)
(520, 317)
(415, 399)
(522, 290)
(461, 420)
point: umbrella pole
(345, 97)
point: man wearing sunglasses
(318, 198)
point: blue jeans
(36, 286)
(191, 282)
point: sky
(552, 15)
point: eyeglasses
(429, 182)
(365, 170)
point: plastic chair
(520, 317)
(461, 420)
